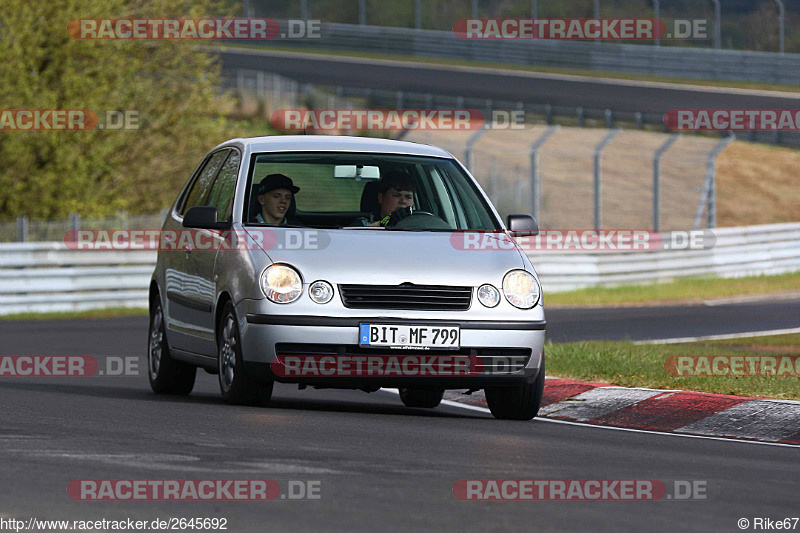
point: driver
(395, 198)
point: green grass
(630, 365)
(760, 86)
(686, 290)
(111, 312)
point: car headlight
(281, 284)
(321, 292)
(488, 295)
(521, 289)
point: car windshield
(349, 190)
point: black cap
(276, 181)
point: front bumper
(262, 333)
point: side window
(468, 200)
(444, 203)
(221, 195)
(202, 184)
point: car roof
(336, 143)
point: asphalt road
(533, 88)
(669, 322)
(380, 466)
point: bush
(173, 88)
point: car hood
(385, 257)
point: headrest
(369, 197)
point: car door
(189, 289)
(201, 256)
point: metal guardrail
(743, 251)
(46, 277)
(584, 55)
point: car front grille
(406, 296)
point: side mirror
(203, 217)
(522, 225)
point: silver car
(337, 291)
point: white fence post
(708, 196)
(598, 185)
(23, 226)
(536, 179)
(657, 180)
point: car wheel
(517, 403)
(235, 385)
(424, 398)
(167, 376)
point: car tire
(167, 376)
(517, 403)
(424, 398)
(236, 386)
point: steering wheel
(422, 220)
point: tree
(173, 88)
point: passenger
(275, 193)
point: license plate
(409, 336)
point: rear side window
(224, 187)
(202, 185)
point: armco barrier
(44, 277)
(742, 251)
